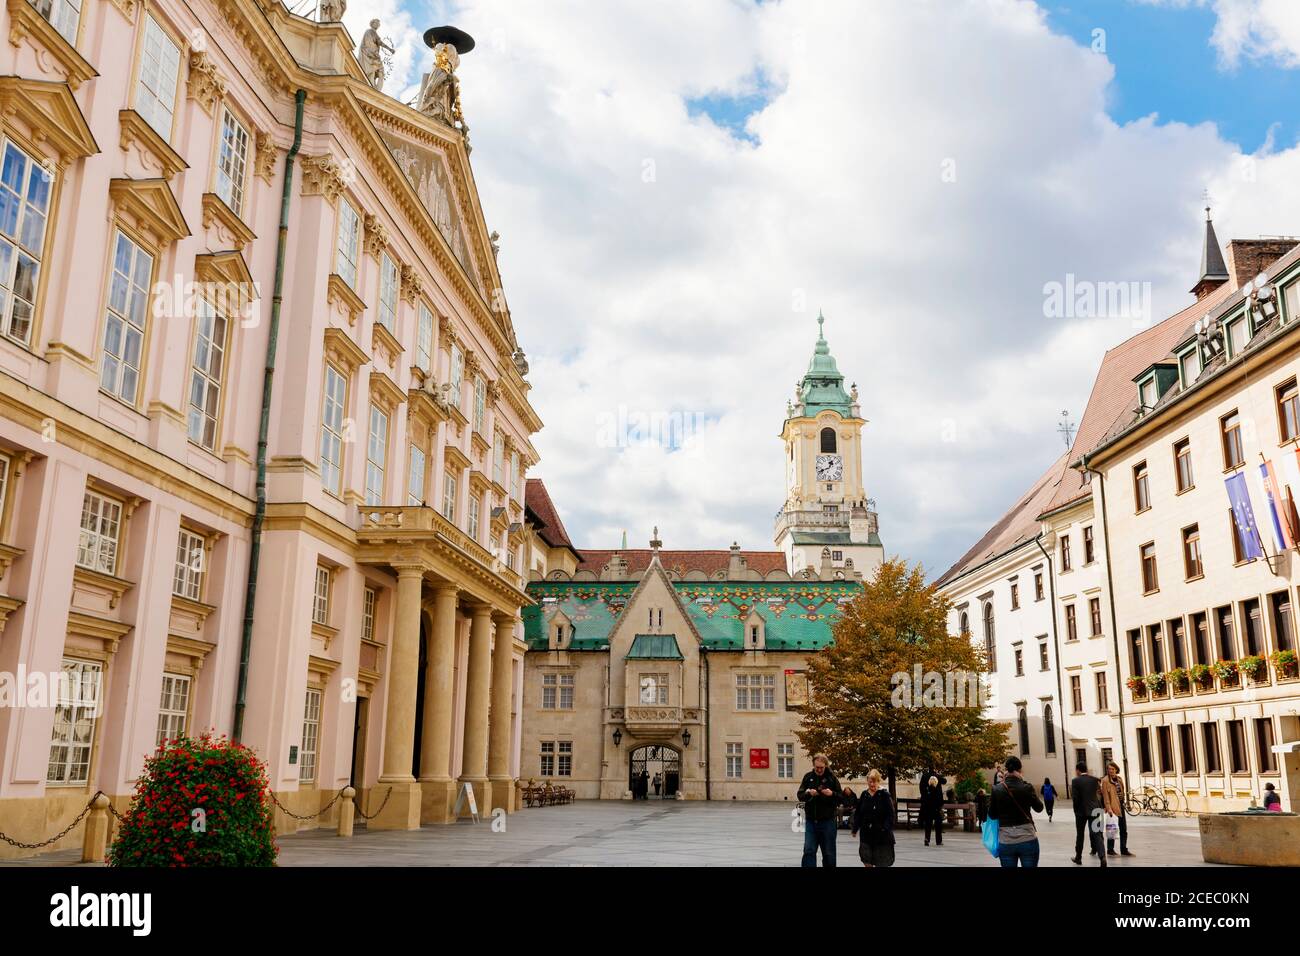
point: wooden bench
(909, 814)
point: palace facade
(1159, 598)
(686, 669)
(250, 316)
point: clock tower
(827, 517)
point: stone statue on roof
(331, 11)
(368, 52)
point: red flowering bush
(199, 802)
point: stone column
(475, 752)
(501, 729)
(402, 809)
(439, 789)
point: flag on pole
(1289, 478)
(1276, 507)
(1243, 515)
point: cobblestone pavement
(654, 833)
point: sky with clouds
(680, 186)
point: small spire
(655, 543)
(1214, 272)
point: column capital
(444, 587)
(501, 618)
(409, 570)
(481, 610)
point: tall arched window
(828, 441)
(1049, 729)
(990, 647)
(1024, 731)
(963, 623)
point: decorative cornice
(382, 340)
(50, 113)
(205, 84)
(342, 351)
(384, 392)
(376, 236)
(25, 21)
(322, 176)
(126, 8)
(412, 284)
(233, 230)
(447, 332)
(472, 364)
(150, 203)
(135, 129)
(339, 291)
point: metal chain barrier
(370, 816)
(310, 816)
(18, 844)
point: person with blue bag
(1009, 833)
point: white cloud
(676, 291)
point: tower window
(828, 441)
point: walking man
(821, 794)
(1113, 798)
(1085, 795)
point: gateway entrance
(655, 763)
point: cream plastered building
(1189, 597)
(178, 180)
(690, 666)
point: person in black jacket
(1013, 805)
(874, 820)
(821, 794)
(1085, 795)
(932, 806)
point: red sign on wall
(758, 758)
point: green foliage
(894, 624)
(970, 784)
(199, 802)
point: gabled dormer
(1152, 383)
(560, 636)
(755, 631)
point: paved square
(667, 833)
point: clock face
(829, 468)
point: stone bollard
(347, 807)
(94, 843)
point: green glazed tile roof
(797, 614)
(822, 387)
(654, 647)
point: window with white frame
(457, 374)
(415, 478)
(173, 709)
(480, 402)
(471, 519)
(232, 161)
(499, 460)
(331, 429)
(755, 692)
(564, 767)
(310, 737)
(654, 688)
(368, 614)
(785, 761)
(320, 604)
(424, 340)
(735, 753)
(24, 210)
(557, 692)
(63, 16)
(101, 532)
(376, 455)
(155, 90)
(187, 580)
(349, 243)
(546, 765)
(76, 717)
(206, 375)
(388, 286)
(449, 497)
(514, 475)
(124, 325)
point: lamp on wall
(686, 738)
(618, 736)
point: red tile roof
(538, 501)
(638, 559)
(1014, 528)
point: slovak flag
(1244, 516)
(1276, 507)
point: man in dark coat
(1085, 795)
(821, 795)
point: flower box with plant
(1253, 666)
(200, 801)
(1202, 675)
(1225, 670)
(1137, 684)
(1178, 679)
(1286, 664)
(1156, 683)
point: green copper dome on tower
(822, 387)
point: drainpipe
(1056, 649)
(264, 427)
(1114, 623)
(708, 723)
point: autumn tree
(868, 710)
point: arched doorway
(419, 697)
(651, 762)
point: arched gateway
(651, 761)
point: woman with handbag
(873, 818)
(1013, 804)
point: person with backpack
(1012, 805)
(1049, 796)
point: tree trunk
(893, 791)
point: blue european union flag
(1243, 515)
